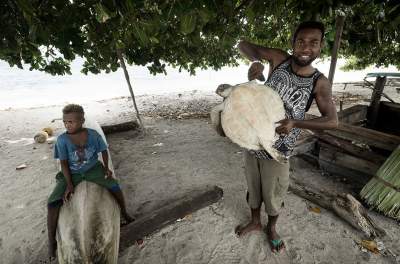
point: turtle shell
(249, 116)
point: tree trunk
(122, 62)
(336, 45)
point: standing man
(298, 83)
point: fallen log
(344, 205)
(121, 127)
(157, 219)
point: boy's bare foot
(127, 219)
(276, 243)
(242, 230)
(52, 250)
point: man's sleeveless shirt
(296, 93)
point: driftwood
(343, 205)
(168, 214)
(109, 129)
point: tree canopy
(49, 34)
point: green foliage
(49, 34)
(371, 32)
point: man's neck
(302, 70)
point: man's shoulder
(322, 82)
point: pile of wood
(352, 151)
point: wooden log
(121, 127)
(366, 136)
(157, 219)
(344, 205)
(350, 148)
(375, 100)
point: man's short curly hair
(73, 108)
(312, 25)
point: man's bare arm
(323, 98)
(256, 52)
(328, 119)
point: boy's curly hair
(73, 108)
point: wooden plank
(389, 118)
(348, 147)
(353, 114)
(357, 179)
(168, 214)
(366, 136)
(332, 155)
(305, 145)
(375, 100)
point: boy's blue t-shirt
(80, 159)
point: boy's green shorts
(95, 174)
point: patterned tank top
(297, 95)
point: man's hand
(68, 193)
(285, 126)
(256, 72)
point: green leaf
(140, 35)
(102, 14)
(188, 23)
(154, 40)
(205, 15)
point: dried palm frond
(383, 191)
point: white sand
(191, 155)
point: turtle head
(224, 90)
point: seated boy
(77, 149)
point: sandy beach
(178, 153)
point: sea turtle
(248, 114)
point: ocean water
(24, 88)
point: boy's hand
(68, 193)
(108, 173)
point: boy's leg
(119, 197)
(275, 182)
(254, 190)
(53, 211)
